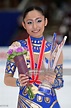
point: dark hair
(33, 8)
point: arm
(9, 79)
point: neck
(36, 40)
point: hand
(50, 77)
(23, 79)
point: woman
(34, 21)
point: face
(34, 23)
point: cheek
(42, 26)
(28, 28)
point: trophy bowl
(40, 77)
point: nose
(34, 25)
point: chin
(36, 35)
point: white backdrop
(9, 95)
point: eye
(39, 20)
(29, 22)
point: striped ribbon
(34, 79)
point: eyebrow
(35, 19)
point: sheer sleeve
(58, 82)
(10, 67)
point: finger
(51, 75)
(23, 76)
(24, 84)
(50, 79)
(24, 81)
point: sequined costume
(47, 99)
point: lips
(35, 31)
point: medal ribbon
(35, 79)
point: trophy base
(45, 90)
(45, 87)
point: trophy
(46, 86)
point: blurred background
(58, 13)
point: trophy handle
(53, 60)
(60, 46)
